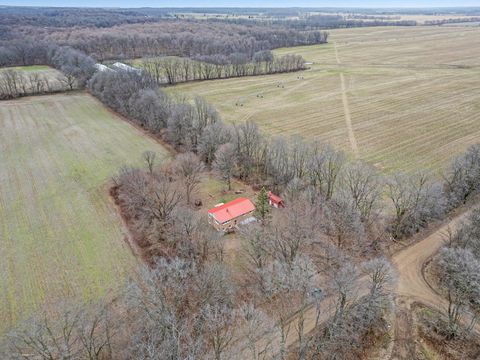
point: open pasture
(401, 98)
(60, 235)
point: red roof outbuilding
(275, 200)
(232, 210)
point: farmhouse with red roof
(275, 201)
(226, 217)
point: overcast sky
(242, 3)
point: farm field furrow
(413, 94)
(60, 236)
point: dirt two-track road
(411, 288)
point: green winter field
(60, 235)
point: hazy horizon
(246, 4)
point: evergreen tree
(262, 205)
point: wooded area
(185, 38)
(173, 70)
(76, 68)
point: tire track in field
(346, 108)
(336, 52)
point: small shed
(275, 201)
(101, 67)
(126, 67)
(226, 217)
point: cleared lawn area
(60, 235)
(213, 190)
(411, 94)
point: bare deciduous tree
(226, 162)
(459, 274)
(212, 137)
(342, 221)
(292, 231)
(416, 201)
(324, 165)
(248, 143)
(363, 184)
(188, 168)
(356, 317)
(149, 158)
(255, 323)
(71, 332)
(256, 246)
(220, 328)
(463, 176)
(288, 287)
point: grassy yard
(401, 98)
(212, 191)
(60, 236)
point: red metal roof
(232, 209)
(276, 199)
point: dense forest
(185, 38)
(70, 17)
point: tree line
(311, 22)
(173, 70)
(15, 83)
(452, 21)
(76, 69)
(168, 37)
